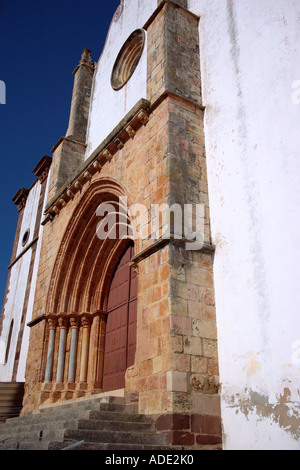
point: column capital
(52, 322)
(100, 314)
(63, 322)
(86, 321)
(75, 322)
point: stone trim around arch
(72, 359)
(82, 254)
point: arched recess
(90, 251)
(86, 262)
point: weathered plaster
(249, 65)
(283, 413)
(17, 291)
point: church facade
(146, 259)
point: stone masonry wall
(175, 375)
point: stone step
(73, 409)
(117, 416)
(62, 444)
(88, 404)
(11, 386)
(48, 429)
(110, 425)
(41, 421)
(94, 432)
(102, 424)
(115, 437)
(108, 446)
(11, 397)
(36, 423)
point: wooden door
(120, 340)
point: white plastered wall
(26, 334)
(16, 295)
(108, 107)
(250, 68)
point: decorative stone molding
(52, 322)
(74, 322)
(42, 168)
(20, 198)
(64, 320)
(127, 129)
(128, 59)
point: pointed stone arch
(79, 289)
(85, 262)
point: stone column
(97, 343)
(52, 322)
(73, 353)
(86, 325)
(62, 323)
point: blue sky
(41, 42)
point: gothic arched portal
(92, 288)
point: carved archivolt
(85, 263)
(128, 59)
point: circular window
(25, 237)
(128, 59)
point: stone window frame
(26, 237)
(128, 59)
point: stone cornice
(115, 141)
(162, 242)
(42, 168)
(20, 198)
(69, 139)
(167, 3)
(34, 241)
(66, 317)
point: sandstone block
(177, 381)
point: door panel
(132, 327)
(120, 342)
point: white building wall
(108, 107)
(13, 311)
(26, 333)
(17, 289)
(29, 217)
(250, 74)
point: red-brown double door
(120, 340)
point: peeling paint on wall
(285, 412)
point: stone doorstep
(105, 396)
(100, 430)
(107, 427)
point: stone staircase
(92, 424)
(11, 397)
